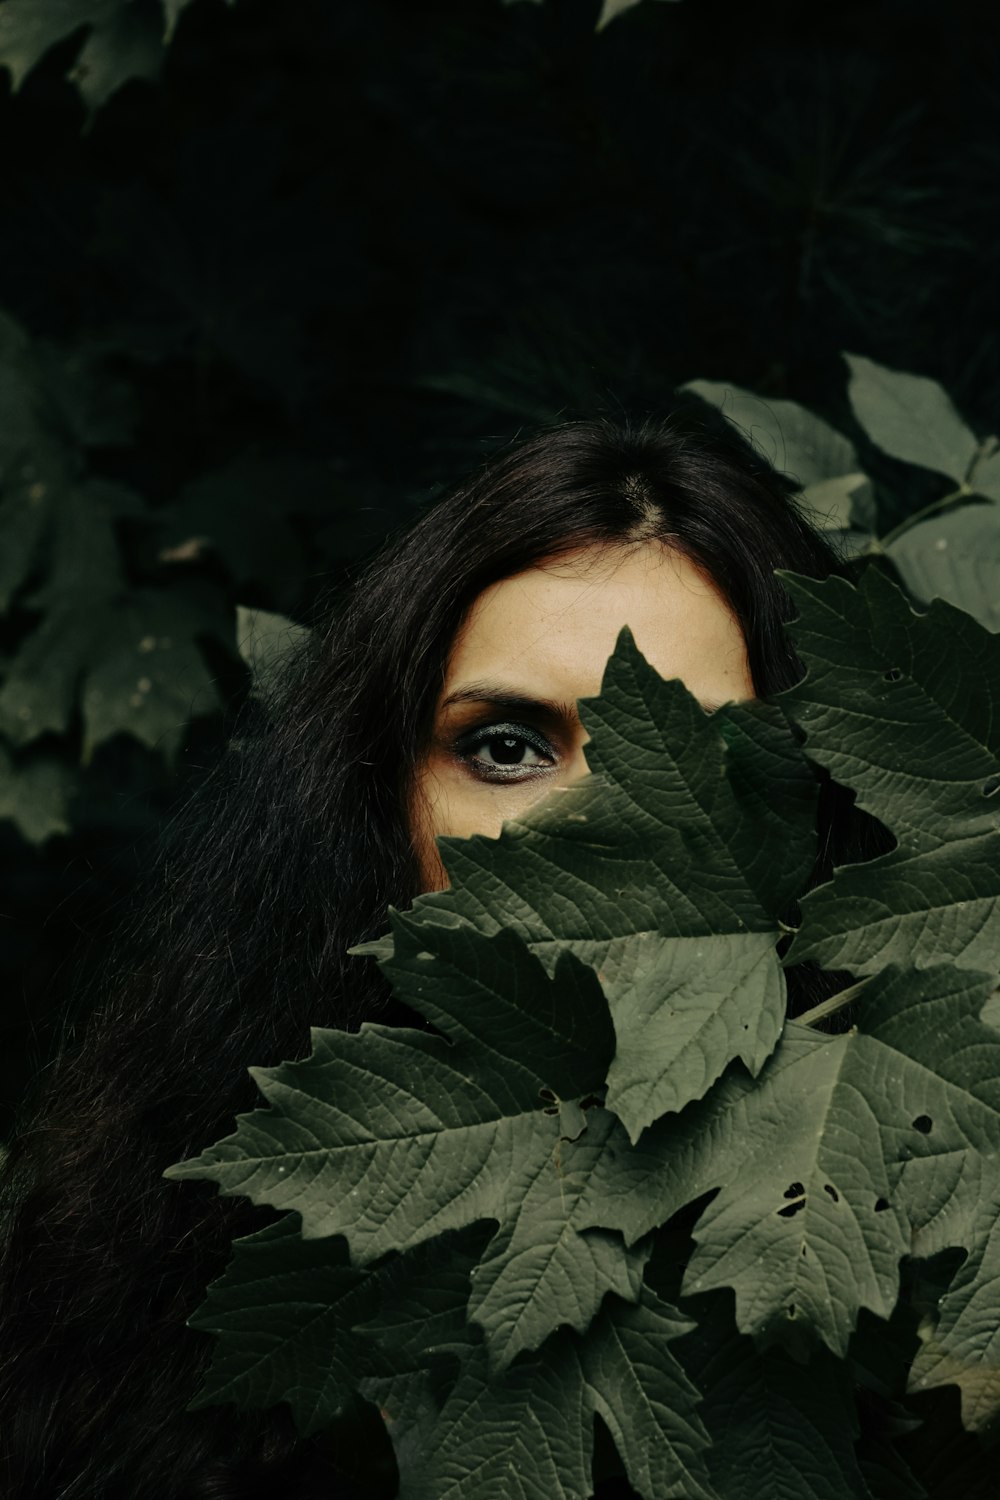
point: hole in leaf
(991, 785)
(893, 674)
(804, 1250)
(924, 1124)
(881, 1204)
(829, 1188)
(793, 1190)
(790, 1310)
(547, 1095)
(791, 1209)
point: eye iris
(508, 751)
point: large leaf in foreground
(963, 1348)
(692, 826)
(285, 1309)
(904, 708)
(528, 1435)
(816, 1208)
(776, 1428)
(392, 1136)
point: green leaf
(954, 556)
(776, 1427)
(985, 476)
(910, 417)
(84, 577)
(903, 708)
(682, 1008)
(266, 643)
(173, 10)
(22, 523)
(40, 692)
(691, 826)
(285, 1309)
(613, 8)
(148, 677)
(963, 1348)
(837, 504)
(125, 40)
(392, 1136)
(528, 1435)
(127, 44)
(35, 794)
(35, 467)
(816, 1204)
(793, 440)
(28, 28)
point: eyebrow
(510, 699)
(515, 702)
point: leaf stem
(829, 1007)
(952, 498)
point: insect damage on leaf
(607, 1056)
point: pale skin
(506, 726)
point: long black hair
(286, 858)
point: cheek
(423, 805)
(446, 801)
(449, 801)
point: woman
(418, 709)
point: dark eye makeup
(505, 752)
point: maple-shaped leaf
(36, 792)
(816, 1203)
(903, 707)
(284, 1310)
(776, 1427)
(528, 1434)
(83, 580)
(692, 826)
(146, 674)
(392, 1136)
(287, 1312)
(963, 1348)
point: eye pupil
(507, 751)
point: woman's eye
(506, 752)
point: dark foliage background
(264, 299)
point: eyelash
(478, 738)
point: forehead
(550, 629)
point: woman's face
(506, 728)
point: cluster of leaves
(96, 653)
(220, 327)
(486, 1222)
(948, 549)
(93, 652)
